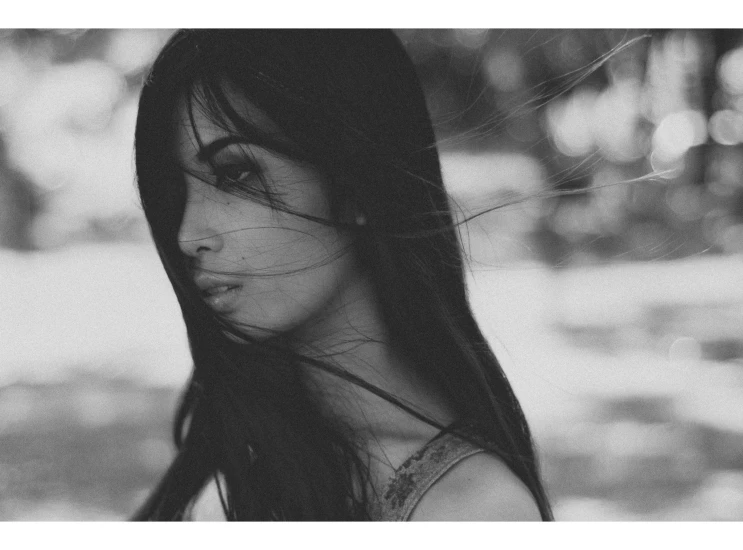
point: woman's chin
(255, 333)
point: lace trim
(417, 474)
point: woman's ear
(344, 204)
(352, 214)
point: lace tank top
(401, 493)
(417, 474)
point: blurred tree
(66, 54)
(495, 90)
(720, 43)
(19, 203)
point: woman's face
(260, 266)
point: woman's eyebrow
(210, 149)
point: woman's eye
(231, 175)
(244, 179)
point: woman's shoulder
(478, 488)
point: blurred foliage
(602, 108)
(594, 109)
(67, 111)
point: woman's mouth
(222, 298)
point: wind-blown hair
(350, 104)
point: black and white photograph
(371, 274)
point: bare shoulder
(479, 488)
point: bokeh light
(570, 122)
(677, 133)
(504, 70)
(726, 127)
(730, 71)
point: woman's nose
(196, 236)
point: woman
(292, 185)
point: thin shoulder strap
(417, 474)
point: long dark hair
(349, 103)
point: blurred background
(610, 282)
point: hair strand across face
(347, 105)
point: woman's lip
(223, 298)
(218, 289)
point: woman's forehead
(192, 118)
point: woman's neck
(351, 333)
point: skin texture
(479, 488)
(291, 269)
